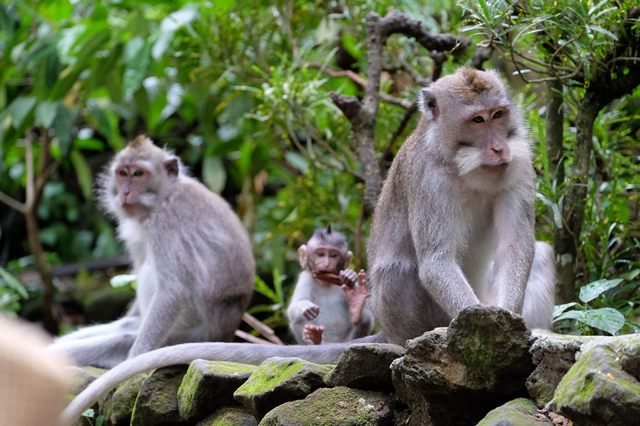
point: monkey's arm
(515, 249)
(301, 308)
(435, 248)
(157, 324)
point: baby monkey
(328, 303)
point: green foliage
(584, 319)
(236, 90)
(12, 292)
(563, 38)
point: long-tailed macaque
(453, 228)
(328, 302)
(191, 256)
(454, 225)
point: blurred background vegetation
(241, 91)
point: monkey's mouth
(497, 168)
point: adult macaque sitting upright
(328, 303)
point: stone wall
(486, 368)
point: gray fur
(192, 259)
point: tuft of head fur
(329, 237)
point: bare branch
(13, 203)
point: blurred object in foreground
(33, 382)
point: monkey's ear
(172, 166)
(302, 255)
(428, 104)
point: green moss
(519, 412)
(340, 405)
(228, 367)
(270, 374)
(229, 416)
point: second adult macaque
(328, 303)
(191, 256)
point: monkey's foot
(312, 334)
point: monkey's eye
(333, 255)
(497, 114)
(478, 119)
(122, 172)
(138, 173)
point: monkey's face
(483, 143)
(133, 186)
(326, 259)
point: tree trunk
(555, 129)
(49, 321)
(567, 238)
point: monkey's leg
(125, 324)
(100, 351)
(539, 295)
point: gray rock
(553, 355)
(339, 406)
(278, 380)
(602, 387)
(229, 416)
(365, 367)
(209, 385)
(519, 412)
(117, 406)
(157, 403)
(482, 359)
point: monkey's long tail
(187, 352)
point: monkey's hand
(312, 334)
(310, 310)
(356, 297)
(348, 277)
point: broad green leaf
(136, 56)
(122, 280)
(63, 127)
(214, 174)
(559, 309)
(13, 283)
(46, 113)
(83, 172)
(596, 288)
(20, 109)
(606, 319)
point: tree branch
(362, 114)
(14, 204)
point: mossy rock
(597, 390)
(83, 376)
(340, 406)
(278, 380)
(365, 367)
(519, 412)
(229, 416)
(157, 403)
(209, 385)
(117, 407)
(482, 359)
